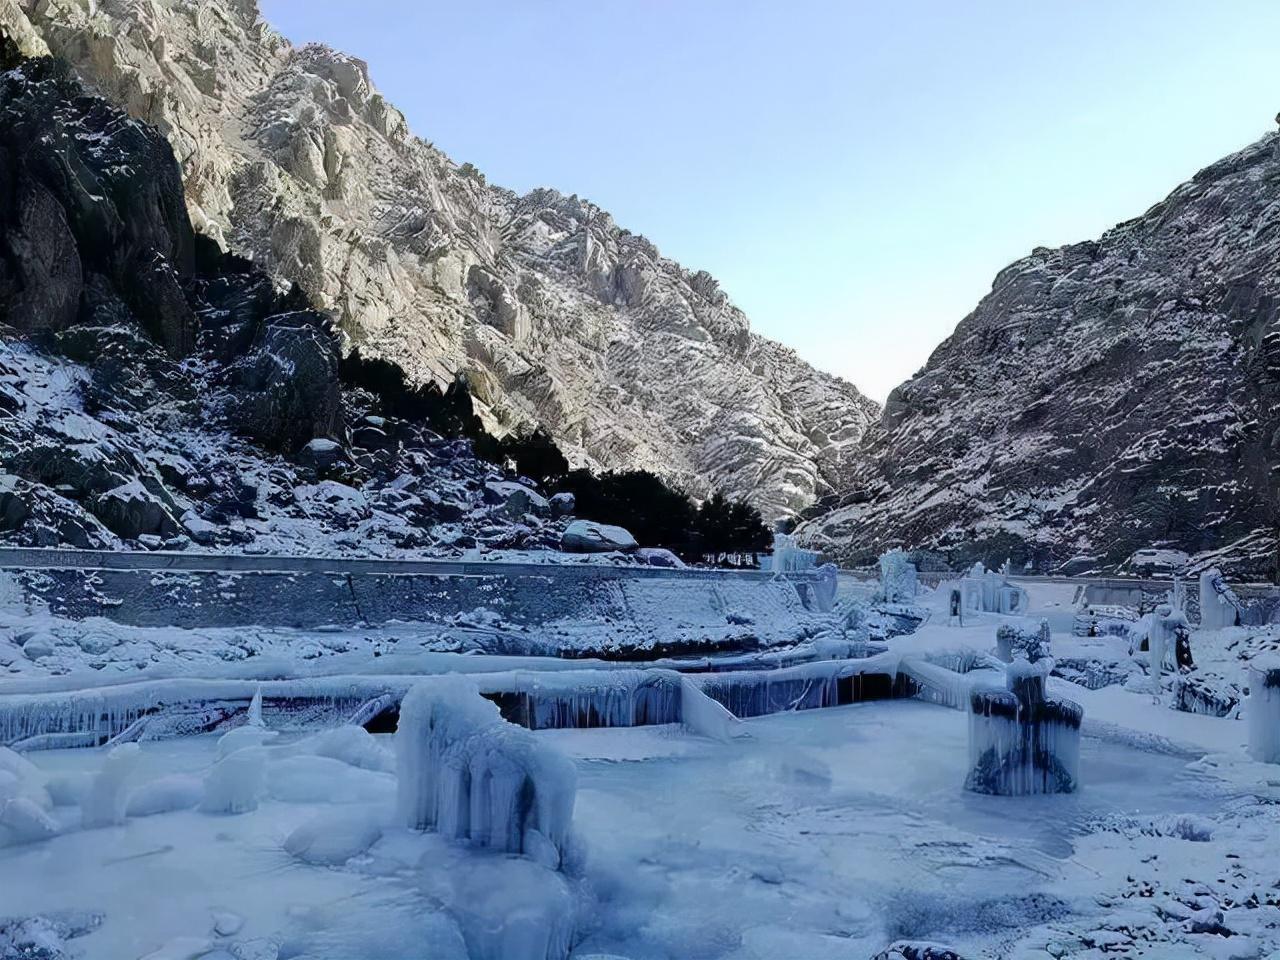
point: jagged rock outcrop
(557, 316)
(1104, 397)
(156, 392)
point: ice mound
(104, 803)
(178, 791)
(467, 773)
(22, 820)
(242, 737)
(335, 837)
(351, 745)
(313, 779)
(20, 779)
(513, 910)
(236, 782)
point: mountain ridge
(1105, 396)
(557, 317)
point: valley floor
(826, 833)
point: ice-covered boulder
(334, 837)
(1208, 693)
(587, 536)
(1013, 640)
(351, 745)
(178, 791)
(468, 774)
(917, 950)
(658, 557)
(563, 504)
(24, 821)
(513, 910)
(323, 455)
(514, 500)
(24, 802)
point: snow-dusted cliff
(1104, 397)
(557, 315)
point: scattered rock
(586, 536)
(130, 510)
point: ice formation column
(1022, 742)
(467, 773)
(1264, 709)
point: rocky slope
(1104, 397)
(557, 316)
(156, 392)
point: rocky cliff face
(1104, 397)
(557, 316)
(155, 391)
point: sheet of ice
(825, 834)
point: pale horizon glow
(854, 174)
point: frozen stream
(823, 834)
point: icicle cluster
(805, 686)
(594, 698)
(990, 592)
(467, 773)
(1264, 709)
(1020, 741)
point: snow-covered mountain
(155, 391)
(557, 316)
(1105, 397)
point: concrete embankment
(194, 590)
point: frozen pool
(818, 835)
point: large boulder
(130, 511)
(285, 389)
(323, 456)
(514, 500)
(586, 536)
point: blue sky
(855, 174)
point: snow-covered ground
(820, 833)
